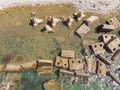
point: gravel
(97, 6)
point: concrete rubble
(29, 65)
(116, 55)
(42, 66)
(70, 67)
(107, 38)
(98, 47)
(68, 53)
(51, 84)
(7, 86)
(68, 21)
(98, 57)
(53, 21)
(91, 20)
(100, 68)
(12, 68)
(34, 21)
(61, 62)
(105, 56)
(89, 65)
(114, 21)
(110, 74)
(113, 45)
(48, 29)
(45, 66)
(82, 30)
(108, 28)
(110, 25)
(78, 16)
(9, 81)
(75, 64)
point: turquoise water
(32, 81)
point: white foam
(99, 6)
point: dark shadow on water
(65, 23)
(118, 32)
(6, 59)
(57, 73)
(83, 52)
(31, 23)
(29, 81)
(100, 39)
(77, 34)
(42, 30)
(98, 29)
(49, 23)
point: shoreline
(95, 6)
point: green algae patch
(23, 43)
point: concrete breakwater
(48, 66)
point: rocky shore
(97, 6)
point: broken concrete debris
(110, 74)
(88, 61)
(102, 58)
(75, 64)
(100, 68)
(61, 62)
(12, 68)
(82, 75)
(107, 28)
(107, 38)
(34, 21)
(114, 21)
(79, 15)
(111, 25)
(91, 20)
(103, 54)
(68, 61)
(68, 53)
(1, 68)
(29, 65)
(53, 21)
(98, 47)
(51, 84)
(87, 51)
(42, 66)
(116, 55)
(82, 30)
(63, 72)
(72, 75)
(113, 45)
(68, 21)
(48, 29)
(71, 68)
(4, 85)
(10, 81)
(45, 66)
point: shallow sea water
(21, 43)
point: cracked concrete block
(61, 62)
(98, 48)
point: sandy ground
(98, 6)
